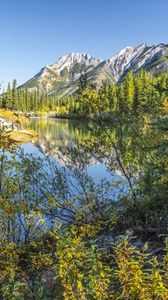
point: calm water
(62, 140)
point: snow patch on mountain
(133, 58)
(63, 75)
(69, 60)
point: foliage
(52, 218)
(69, 265)
(66, 261)
(143, 93)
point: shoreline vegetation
(12, 128)
(65, 237)
(133, 96)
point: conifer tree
(121, 98)
(9, 97)
(129, 91)
(14, 96)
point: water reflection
(55, 178)
(64, 140)
(117, 150)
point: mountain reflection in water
(63, 140)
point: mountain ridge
(62, 77)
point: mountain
(63, 73)
(62, 78)
(151, 58)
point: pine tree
(4, 102)
(113, 97)
(14, 96)
(121, 99)
(9, 97)
(82, 82)
(129, 92)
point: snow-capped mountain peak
(62, 76)
(134, 58)
(67, 61)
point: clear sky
(34, 33)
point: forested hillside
(140, 94)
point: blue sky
(34, 33)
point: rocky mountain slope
(62, 78)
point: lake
(112, 152)
(59, 137)
(78, 165)
(64, 141)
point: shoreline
(12, 128)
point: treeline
(141, 93)
(25, 100)
(34, 101)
